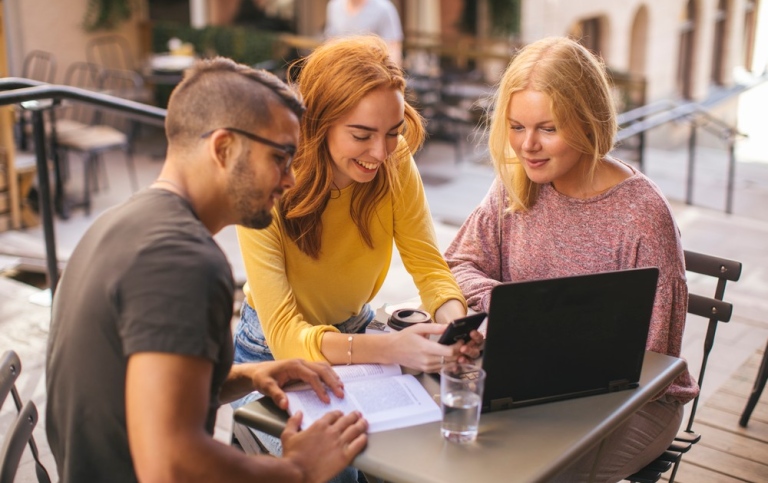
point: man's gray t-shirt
(375, 17)
(146, 277)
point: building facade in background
(683, 49)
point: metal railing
(14, 90)
(638, 121)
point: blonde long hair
(333, 79)
(582, 107)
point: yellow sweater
(298, 298)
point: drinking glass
(461, 395)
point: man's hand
(270, 377)
(325, 448)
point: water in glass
(461, 412)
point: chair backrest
(39, 65)
(120, 83)
(19, 435)
(111, 52)
(712, 308)
(10, 368)
(85, 75)
(16, 441)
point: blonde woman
(561, 205)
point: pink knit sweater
(628, 226)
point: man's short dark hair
(219, 92)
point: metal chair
(41, 66)
(126, 84)
(450, 117)
(757, 389)
(98, 131)
(715, 310)
(19, 435)
(110, 51)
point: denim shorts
(251, 345)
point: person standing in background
(353, 17)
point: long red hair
(332, 80)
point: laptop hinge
(618, 385)
(501, 403)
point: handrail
(21, 90)
(664, 111)
(645, 110)
(15, 90)
(662, 116)
(637, 121)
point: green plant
(505, 16)
(107, 14)
(242, 44)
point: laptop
(562, 338)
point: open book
(387, 398)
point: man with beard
(140, 350)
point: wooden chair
(19, 435)
(715, 310)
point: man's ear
(222, 147)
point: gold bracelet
(349, 351)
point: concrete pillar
(198, 13)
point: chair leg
(674, 470)
(132, 171)
(757, 390)
(89, 179)
(23, 141)
(101, 167)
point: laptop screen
(560, 338)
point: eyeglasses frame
(286, 148)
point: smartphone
(459, 329)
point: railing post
(59, 202)
(691, 163)
(44, 199)
(731, 174)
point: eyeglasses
(288, 149)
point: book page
(367, 371)
(386, 402)
(352, 372)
